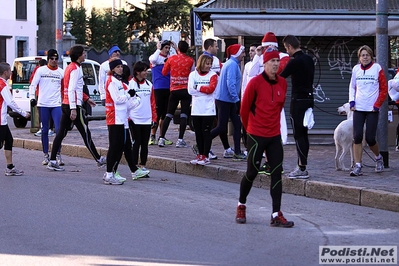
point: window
(2, 49)
(21, 9)
(22, 70)
(21, 45)
(88, 74)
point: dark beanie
(164, 43)
(51, 53)
(114, 63)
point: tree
(102, 28)
(78, 17)
(170, 15)
(106, 29)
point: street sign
(197, 30)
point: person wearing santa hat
(227, 99)
(269, 40)
(257, 64)
(260, 112)
(301, 69)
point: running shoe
(111, 180)
(139, 173)
(102, 161)
(13, 172)
(59, 160)
(54, 166)
(298, 174)
(181, 144)
(280, 221)
(240, 215)
(379, 165)
(46, 159)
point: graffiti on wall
(312, 49)
(319, 95)
(340, 57)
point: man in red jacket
(179, 66)
(261, 106)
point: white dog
(343, 138)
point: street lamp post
(382, 59)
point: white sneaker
(297, 173)
(229, 153)
(59, 160)
(161, 142)
(54, 166)
(195, 161)
(111, 180)
(46, 159)
(379, 165)
(119, 177)
(181, 144)
(102, 161)
(51, 133)
(204, 161)
(38, 133)
(212, 156)
(140, 172)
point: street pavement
(373, 190)
(72, 218)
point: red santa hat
(269, 39)
(270, 55)
(234, 50)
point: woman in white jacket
(143, 118)
(201, 85)
(117, 96)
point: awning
(249, 25)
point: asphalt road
(72, 218)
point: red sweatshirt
(261, 105)
(179, 66)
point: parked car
(22, 69)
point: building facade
(329, 31)
(18, 29)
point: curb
(361, 196)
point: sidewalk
(372, 189)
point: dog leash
(334, 114)
(371, 157)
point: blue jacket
(229, 82)
(160, 81)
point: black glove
(154, 124)
(33, 103)
(131, 92)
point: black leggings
(371, 120)
(6, 138)
(297, 111)
(66, 124)
(275, 155)
(115, 138)
(225, 111)
(116, 143)
(140, 137)
(161, 100)
(203, 126)
(185, 101)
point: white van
(22, 69)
